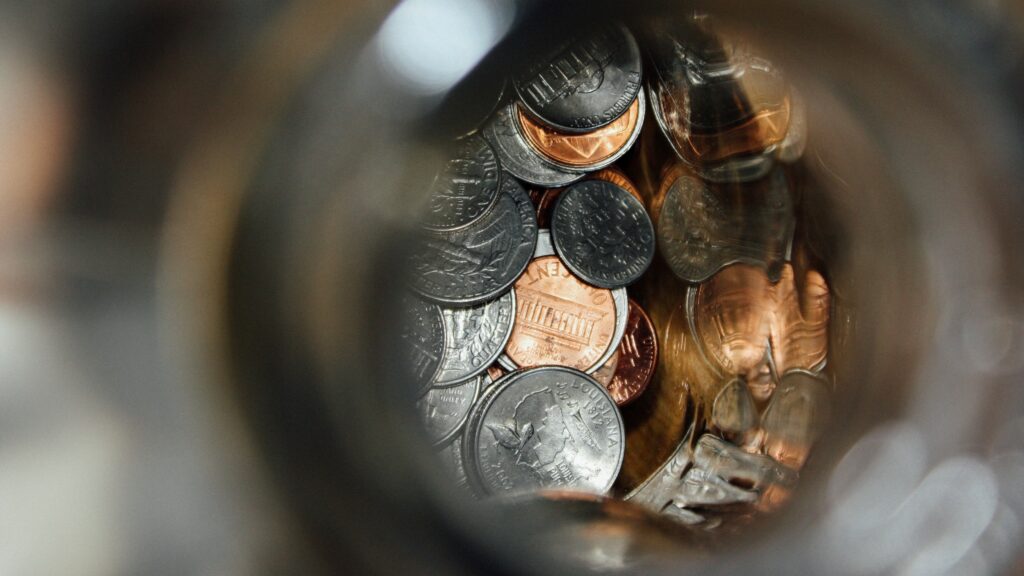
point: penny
(590, 150)
(475, 337)
(584, 82)
(467, 187)
(545, 428)
(637, 357)
(703, 226)
(518, 157)
(560, 320)
(799, 334)
(443, 411)
(478, 263)
(602, 233)
(422, 338)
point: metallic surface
(602, 233)
(518, 157)
(637, 356)
(466, 188)
(443, 411)
(423, 338)
(549, 427)
(475, 337)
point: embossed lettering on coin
(602, 233)
(637, 357)
(475, 337)
(443, 411)
(560, 320)
(422, 337)
(467, 187)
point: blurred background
(164, 172)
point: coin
(799, 333)
(443, 411)
(421, 334)
(451, 462)
(560, 320)
(477, 263)
(589, 150)
(546, 201)
(602, 233)
(703, 227)
(606, 372)
(475, 337)
(545, 428)
(467, 187)
(518, 157)
(584, 82)
(637, 357)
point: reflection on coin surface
(518, 157)
(590, 150)
(479, 262)
(637, 357)
(548, 427)
(475, 337)
(559, 319)
(585, 82)
(602, 233)
(702, 227)
(422, 338)
(443, 411)
(467, 187)
(731, 317)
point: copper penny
(582, 150)
(638, 357)
(560, 320)
(732, 317)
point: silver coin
(422, 337)
(443, 411)
(451, 462)
(602, 233)
(545, 428)
(478, 263)
(704, 227)
(475, 337)
(466, 189)
(584, 82)
(518, 157)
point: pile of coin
(524, 327)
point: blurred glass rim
(898, 78)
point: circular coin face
(475, 336)
(466, 188)
(478, 263)
(546, 428)
(443, 411)
(518, 157)
(585, 82)
(637, 357)
(422, 339)
(602, 233)
(559, 319)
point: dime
(585, 82)
(546, 200)
(545, 428)
(590, 150)
(602, 233)
(703, 227)
(475, 337)
(637, 357)
(518, 157)
(560, 320)
(466, 189)
(443, 411)
(479, 262)
(422, 337)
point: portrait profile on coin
(467, 187)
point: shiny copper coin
(583, 151)
(732, 317)
(496, 371)
(638, 357)
(560, 320)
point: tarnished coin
(422, 338)
(518, 157)
(475, 337)
(443, 411)
(451, 462)
(637, 357)
(585, 82)
(546, 428)
(703, 227)
(467, 187)
(479, 262)
(560, 320)
(587, 151)
(602, 233)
